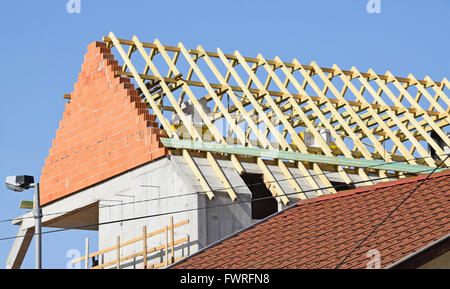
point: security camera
(19, 183)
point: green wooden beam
(295, 156)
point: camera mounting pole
(20, 184)
(37, 214)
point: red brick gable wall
(106, 130)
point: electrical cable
(216, 190)
(221, 189)
(390, 213)
(160, 214)
(173, 212)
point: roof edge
(427, 251)
(363, 189)
(234, 234)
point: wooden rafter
(270, 103)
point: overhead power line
(390, 213)
(178, 211)
(221, 189)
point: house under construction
(164, 150)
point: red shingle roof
(319, 233)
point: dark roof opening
(263, 203)
(342, 186)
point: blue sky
(42, 48)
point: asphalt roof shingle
(319, 233)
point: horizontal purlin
(294, 156)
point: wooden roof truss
(269, 104)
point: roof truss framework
(260, 103)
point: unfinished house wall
(156, 189)
(223, 216)
(164, 189)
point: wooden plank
(294, 156)
(198, 174)
(168, 128)
(276, 188)
(212, 128)
(337, 152)
(131, 49)
(301, 167)
(185, 120)
(367, 117)
(286, 123)
(172, 244)
(433, 103)
(220, 174)
(291, 164)
(151, 250)
(229, 119)
(112, 248)
(270, 126)
(144, 246)
(164, 264)
(86, 261)
(109, 39)
(118, 253)
(426, 117)
(375, 115)
(420, 149)
(438, 88)
(357, 119)
(324, 121)
(318, 106)
(167, 246)
(361, 107)
(292, 65)
(259, 94)
(242, 137)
